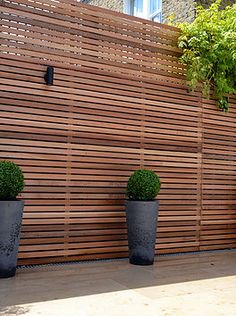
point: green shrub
(143, 185)
(209, 51)
(11, 180)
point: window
(137, 8)
(155, 10)
(147, 9)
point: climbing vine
(209, 51)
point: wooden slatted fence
(119, 102)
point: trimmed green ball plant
(141, 213)
(143, 185)
(11, 180)
(11, 212)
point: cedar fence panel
(119, 102)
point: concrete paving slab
(185, 285)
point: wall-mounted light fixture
(49, 75)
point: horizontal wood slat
(218, 182)
(119, 102)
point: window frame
(129, 9)
(156, 13)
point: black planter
(142, 224)
(10, 225)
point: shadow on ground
(50, 283)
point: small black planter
(142, 224)
(10, 225)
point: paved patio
(193, 284)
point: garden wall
(119, 102)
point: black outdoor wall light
(49, 75)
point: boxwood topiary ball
(11, 180)
(143, 185)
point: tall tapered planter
(141, 215)
(11, 210)
(10, 225)
(142, 224)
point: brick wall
(184, 10)
(115, 5)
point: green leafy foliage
(209, 51)
(11, 180)
(143, 185)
